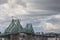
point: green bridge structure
(15, 31)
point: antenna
(12, 17)
(20, 18)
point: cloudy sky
(43, 14)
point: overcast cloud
(43, 14)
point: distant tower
(29, 28)
(14, 26)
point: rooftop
(15, 26)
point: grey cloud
(42, 13)
(3, 1)
(53, 5)
(50, 5)
(54, 21)
(20, 2)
